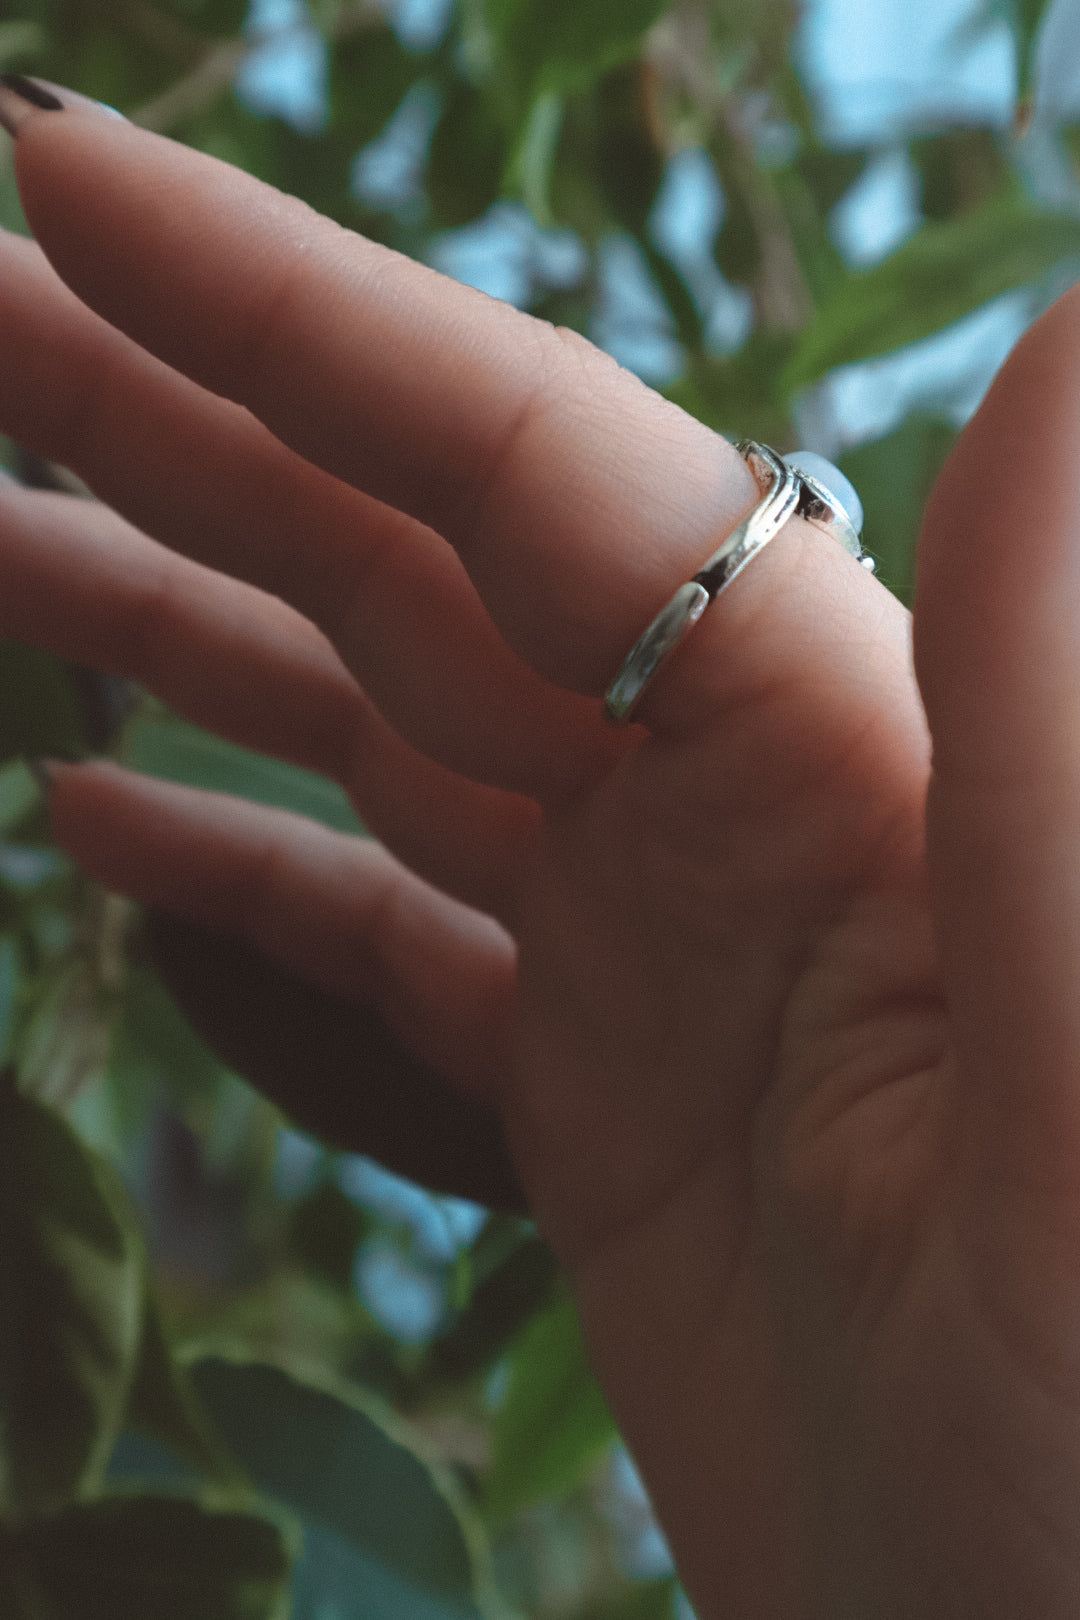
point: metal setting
(821, 507)
(788, 489)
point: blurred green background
(242, 1376)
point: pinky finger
(333, 1065)
(339, 911)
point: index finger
(577, 498)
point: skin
(766, 1006)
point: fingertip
(23, 100)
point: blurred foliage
(243, 1376)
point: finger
(338, 911)
(997, 631)
(80, 582)
(333, 1065)
(577, 498)
(203, 476)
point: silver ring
(789, 488)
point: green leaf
(562, 46)
(121, 65)
(828, 174)
(60, 1045)
(740, 396)
(19, 794)
(178, 752)
(163, 1404)
(467, 158)
(325, 1230)
(317, 169)
(685, 314)
(335, 1579)
(222, 18)
(369, 76)
(1024, 17)
(21, 1596)
(643, 1600)
(939, 275)
(508, 1293)
(820, 261)
(623, 148)
(20, 42)
(530, 164)
(155, 1050)
(39, 712)
(740, 244)
(158, 1558)
(959, 170)
(554, 1423)
(347, 1466)
(9, 988)
(71, 1295)
(894, 476)
(12, 217)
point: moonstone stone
(840, 488)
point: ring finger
(81, 582)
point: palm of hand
(738, 1114)
(733, 1110)
(724, 1108)
(758, 1071)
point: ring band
(788, 489)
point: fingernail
(20, 98)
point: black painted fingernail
(19, 97)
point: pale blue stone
(840, 488)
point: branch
(216, 69)
(684, 54)
(196, 91)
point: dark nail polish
(18, 96)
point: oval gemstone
(840, 488)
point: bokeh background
(242, 1375)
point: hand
(787, 1065)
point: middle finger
(204, 477)
(577, 498)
